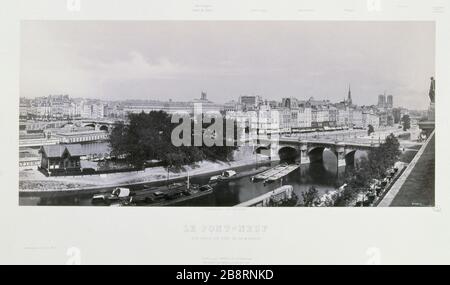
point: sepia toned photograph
(227, 113)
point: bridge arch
(104, 128)
(288, 154)
(350, 158)
(262, 148)
(353, 157)
(89, 125)
(67, 124)
(316, 153)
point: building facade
(357, 118)
(369, 118)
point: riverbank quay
(38, 183)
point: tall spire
(349, 98)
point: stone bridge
(305, 151)
(102, 125)
(97, 124)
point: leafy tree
(360, 176)
(284, 203)
(406, 120)
(391, 149)
(384, 156)
(346, 196)
(311, 197)
(220, 152)
(328, 201)
(370, 130)
(148, 137)
(356, 179)
(118, 139)
(390, 120)
(379, 160)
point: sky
(162, 60)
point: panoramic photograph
(227, 113)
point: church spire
(349, 97)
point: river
(320, 175)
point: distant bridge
(102, 125)
(97, 124)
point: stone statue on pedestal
(432, 87)
(427, 126)
(432, 97)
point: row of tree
(367, 169)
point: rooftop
(58, 150)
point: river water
(321, 175)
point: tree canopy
(370, 129)
(311, 197)
(374, 167)
(384, 156)
(147, 136)
(406, 121)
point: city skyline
(162, 60)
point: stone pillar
(340, 153)
(303, 149)
(274, 146)
(431, 112)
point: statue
(431, 109)
(432, 87)
(427, 126)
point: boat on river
(166, 195)
(224, 176)
(275, 173)
(118, 194)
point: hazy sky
(178, 59)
